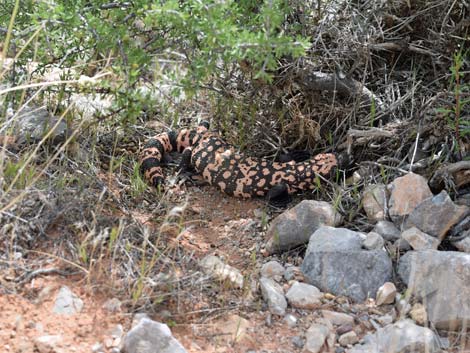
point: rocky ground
(376, 260)
(402, 287)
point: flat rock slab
(402, 337)
(419, 240)
(150, 336)
(67, 303)
(441, 279)
(49, 344)
(436, 215)
(337, 319)
(295, 226)
(230, 329)
(406, 193)
(336, 263)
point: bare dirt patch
(29, 315)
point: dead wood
(343, 85)
(458, 173)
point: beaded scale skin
(220, 165)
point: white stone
(67, 302)
(149, 336)
(348, 338)
(290, 320)
(273, 294)
(315, 338)
(48, 343)
(386, 294)
(336, 318)
(303, 296)
(215, 267)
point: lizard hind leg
(278, 196)
(186, 171)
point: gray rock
(215, 267)
(406, 193)
(444, 342)
(342, 329)
(97, 348)
(290, 320)
(138, 317)
(66, 302)
(336, 263)
(298, 341)
(293, 272)
(387, 230)
(315, 338)
(348, 338)
(272, 269)
(386, 294)
(338, 319)
(269, 320)
(464, 243)
(304, 296)
(401, 245)
(117, 331)
(436, 215)
(402, 337)
(385, 320)
(49, 344)
(459, 236)
(34, 122)
(112, 305)
(273, 295)
(149, 337)
(373, 241)
(419, 240)
(295, 226)
(374, 202)
(441, 280)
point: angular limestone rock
(295, 226)
(406, 193)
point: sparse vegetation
(394, 98)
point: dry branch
(403, 46)
(459, 172)
(344, 86)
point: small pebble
(298, 341)
(290, 320)
(344, 328)
(269, 320)
(97, 347)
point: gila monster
(235, 174)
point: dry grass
(79, 204)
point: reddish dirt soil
(214, 224)
(24, 317)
